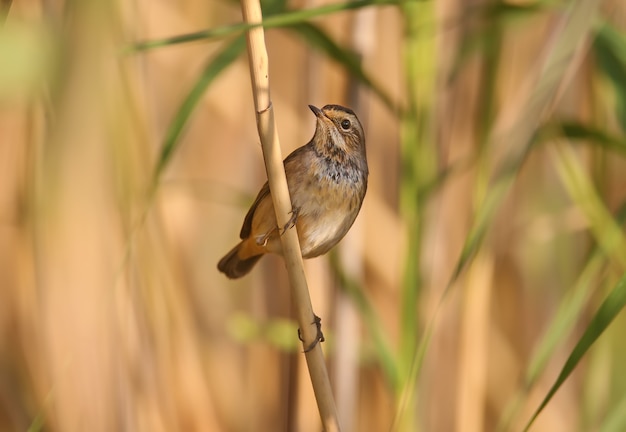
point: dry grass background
(113, 315)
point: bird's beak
(318, 112)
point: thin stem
(259, 66)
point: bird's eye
(345, 124)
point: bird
(327, 181)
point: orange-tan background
(113, 315)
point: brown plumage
(327, 181)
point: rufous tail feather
(233, 266)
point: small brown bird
(327, 180)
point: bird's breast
(327, 213)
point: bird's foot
(318, 338)
(292, 220)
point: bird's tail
(233, 266)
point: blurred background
(489, 239)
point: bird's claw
(318, 338)
(263, 239)
(292, 220)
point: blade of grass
(417, 173)
(212, 70)
(581, 132)
(607, 312)
(606, 231)
(610, 49)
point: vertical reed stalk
(417, 169)
(259, 66)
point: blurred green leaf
(607, 312)
(615, 419)
(609, 47)
(419, 159)
(577, 182)
(320, 40)
(581, 132)
(214, 33)
(281, 333)
(213, 68)
(270, 7)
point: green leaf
(610, 50)
(270, 7)
(609, 309)
(213, 68)
(581, 132)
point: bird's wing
(246, 228)
(291, 164)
